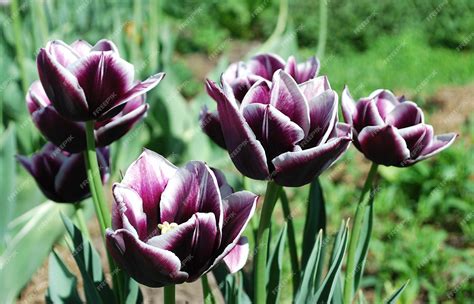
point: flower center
(165, 227)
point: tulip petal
(104, 77)
(36, 97)
(104, 45)
(239, 207)
(237, 257)
(258, 93)
(118, 127)
(178, 240)
(438, 144)
(63, 53)
(130, 205)
(71, 179)
(273, 129)
(62, 88)
(404, 115)
(348, 106)
(137, 90)
(211, 126)
(314, 87)
(42, 173)
(298, 168)
(148, 176)
(224, 187)
(417, 138)
(307, 70)
(192, 189)
(147, 264)
(206, 240)
(64, 133)
(287, 97)
(383, 145)
(245, 151)
(370, 115)
(385, 101)
(323, 116)
(265, 65)
(81, 47)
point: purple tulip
(61, 175)
(391, 131)
(71, 135)
(172, 225)
(281, 130)
(89, 83)
(242, 75)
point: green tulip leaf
(394, 297)
(325, 292)
(88, 261)
(275, 264)
(62, 287)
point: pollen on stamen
(165, 227)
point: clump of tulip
(278, 121)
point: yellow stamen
(165, 227)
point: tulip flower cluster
(277, 119)
(80, 83)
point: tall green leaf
(62, 285)
(88, 261)
(364, 240)
(394, 297)
(315, 219)
(7, 183)
(275, 267)
(324, 294)
(306, 288)
(29, 247)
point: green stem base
(261, 250)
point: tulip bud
(62, 176)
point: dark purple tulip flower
(242, 75)
(61, 175)
(281, 130)
(89, 83)
(172, 225)
(391, 131)
(71, 135)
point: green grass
(403, 62)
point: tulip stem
(291, 241)
(95, 180)
(208, 297)
(100, 204)
(170, 294)
(261, 250)
(355, 235)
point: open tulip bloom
(282, 130)
(171, 225)
(62, 175)
(87, 83)
(391, 131)
(71, 135)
